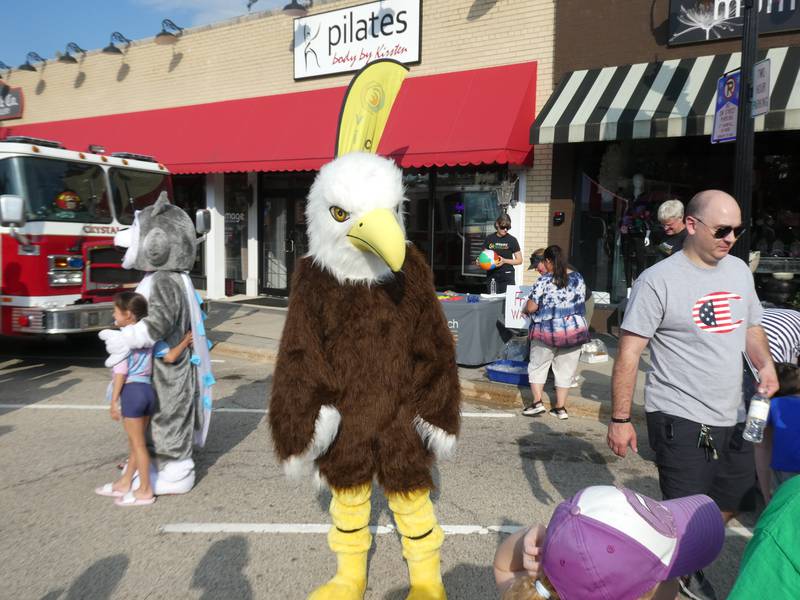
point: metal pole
(743, 163)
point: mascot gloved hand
(366, 385)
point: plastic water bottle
(756, 419)
(493, 286)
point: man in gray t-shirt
(698, 311)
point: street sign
(760, 88)
(727, 108)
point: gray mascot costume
(162, 242)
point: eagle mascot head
(355, 220)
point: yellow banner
(367, 105)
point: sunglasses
(504, 228)
(723, 232)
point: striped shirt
(782, 327)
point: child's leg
(136, 429)
(123, 484)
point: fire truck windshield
(57, 190)
(135, 190)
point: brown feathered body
(381, 360)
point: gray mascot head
(162, 238)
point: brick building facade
(251, 58)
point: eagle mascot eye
(366, 385)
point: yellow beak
(378, 232)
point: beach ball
(486, 260)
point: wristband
(617, 420)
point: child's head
(788, 379)
(615, 543)
(129, 307)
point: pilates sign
(345, 40)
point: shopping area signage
(692, 21)
(344, 40)
(11, 102)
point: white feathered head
(355, 220)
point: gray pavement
(253, 332)
(59, 541)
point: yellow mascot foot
(350, 539)
(339, 588)
(421, 538)
(434, 591)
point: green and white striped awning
(673, 98)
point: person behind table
(133, 399)
(506, 247)
(670, 215)
(610, 542)
(769, 567)
(558, 328)
(698, 311)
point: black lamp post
(743, 163)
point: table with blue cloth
(476, 327)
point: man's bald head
(713, 203)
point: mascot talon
(365, 333)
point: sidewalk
(253, 333)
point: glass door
(284, 240)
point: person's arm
(623, 383)
(119, 382)
(758, 351)
(516, 259)
(763, 456)
(174, 353)
(519, 555)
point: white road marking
(322, 528)
(319, 528)
(475, 415)
(56, 406)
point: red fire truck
(59, 211)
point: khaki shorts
(563, 360)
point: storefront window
(622, 184)
(449, 214)
(237, 201)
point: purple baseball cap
(610, 543)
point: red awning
(467, 117)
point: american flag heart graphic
(712, 312)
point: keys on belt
(706, 441)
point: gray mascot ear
(167, 238)
(156, 247)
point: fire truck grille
(104, 269)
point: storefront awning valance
(466, 117)
(673, 98)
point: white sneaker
(533, 410)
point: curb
(492, 395)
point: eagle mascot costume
(366, 385)
(162, 242)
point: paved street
(59, 540)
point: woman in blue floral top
(557, 331)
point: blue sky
(47, 26)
